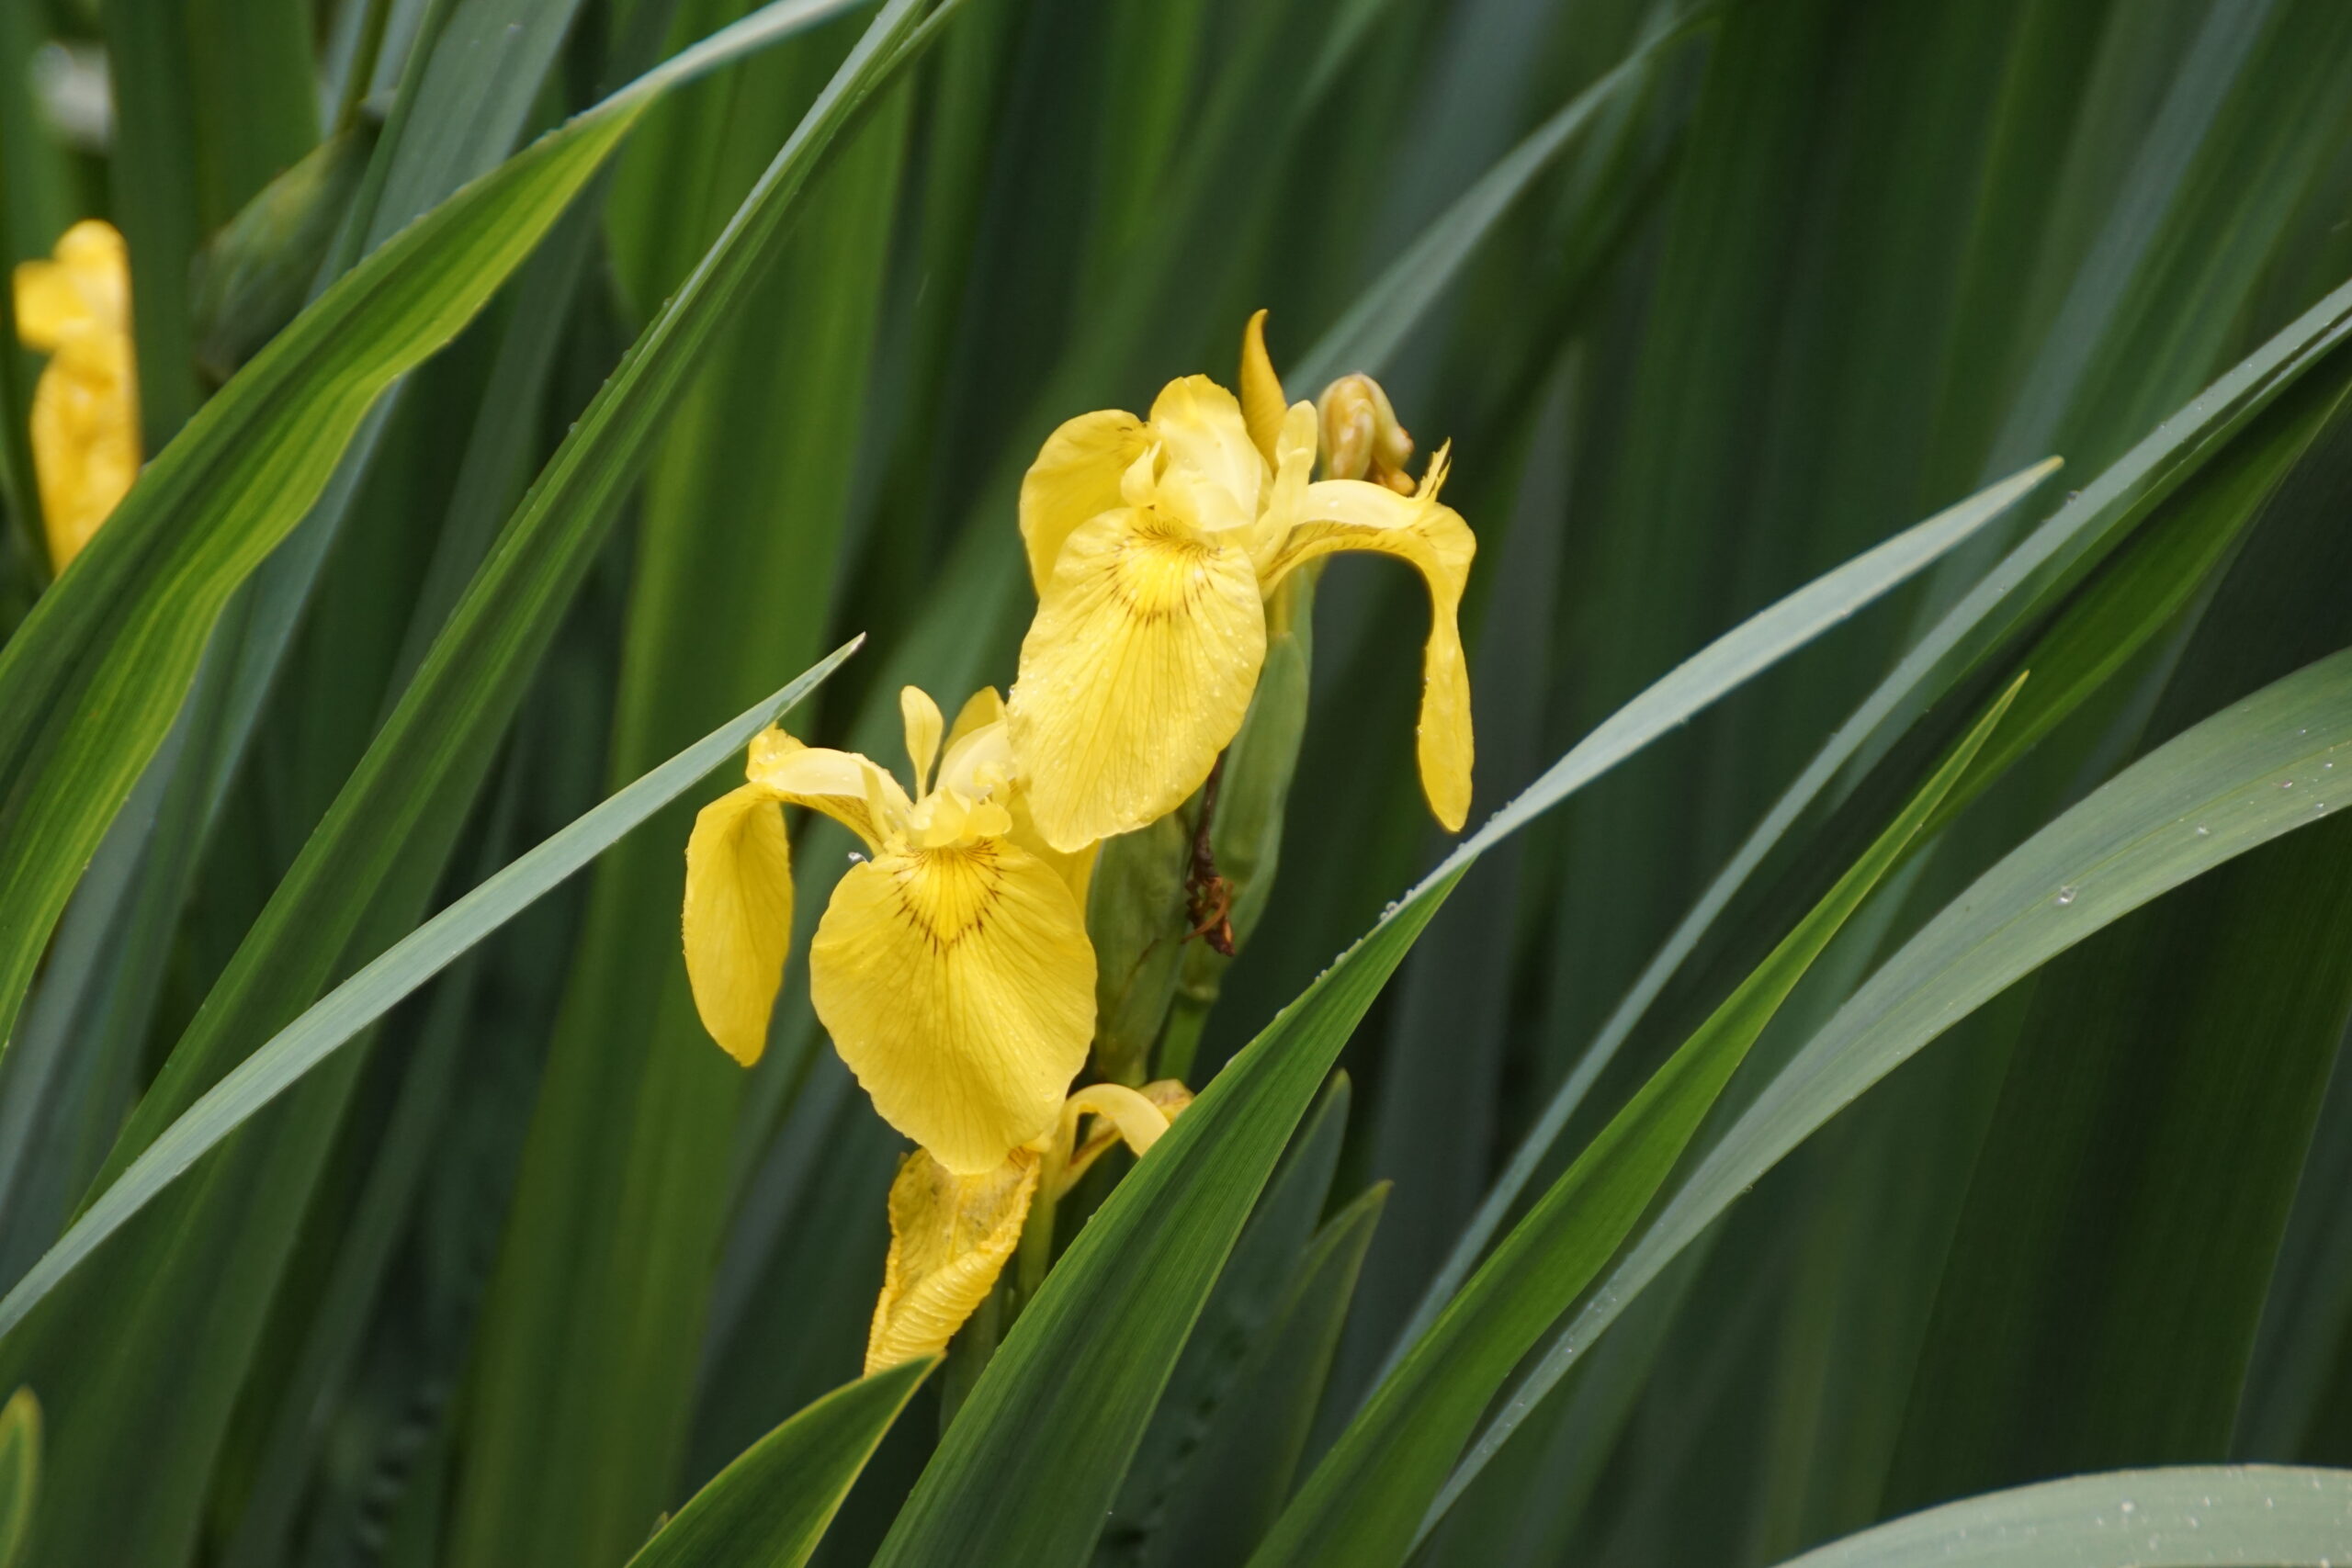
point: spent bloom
(1154, 544)
(950, 1234)
(952, 968)
(76, 307)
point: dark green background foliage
(515, 427)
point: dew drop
(2286, 784)
(2066, 894)
(2203, 831)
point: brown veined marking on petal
(928, 880)
(958, 987)
(1158, 573)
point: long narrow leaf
(2242, 778)
(2249, 1516)
(369, 994)
(89, 683)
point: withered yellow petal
(1076, 477)
(950, 1235)
(84, 431)
(1351, 514)
(1262, 408)
(1135, 674)
(958, 985)
(738, 916)
(845, 786)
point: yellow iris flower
(952, 969)
(76, 307)
(950, 1234)
(1154, 544)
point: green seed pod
(1136, 916)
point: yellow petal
(85, 430)
(1135, 674)
(958, 985)
(981, 709)
(920, 717)
(1351, 514)
(739, 916)
(950, 1235)
(1137, 1116)
(845, 786)
(1262, 392)
(1210, 458)
(1076, 477)
(85, 288)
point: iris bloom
(950, 1234)
(1154, 544)
(76, 307)
(952, 968)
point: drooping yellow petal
(1351, 514)
(1135, 674)
(950, 1235)
(1210, 461)
(1076, 477)
(920, 717)
(958, 985)
(85, 430)
(845, 786)
(738, 916)
(1262, 392)
(1138, 1117)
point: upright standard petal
(1076, 477)
(958, 985)
(1135, 674)
(950, 1235)
(85, 287)
(1262, 408)
(1351, 514)
(738, 916)
(1198, 423)
(920, 717)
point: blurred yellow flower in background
(1154, 544)
(952, 969)
(950, 1234)
(76, 307)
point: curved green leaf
(769, 1508)
(369, 994)
(1363, 1503)
(90, 681)
(2248, 774)
(2256, 1516)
